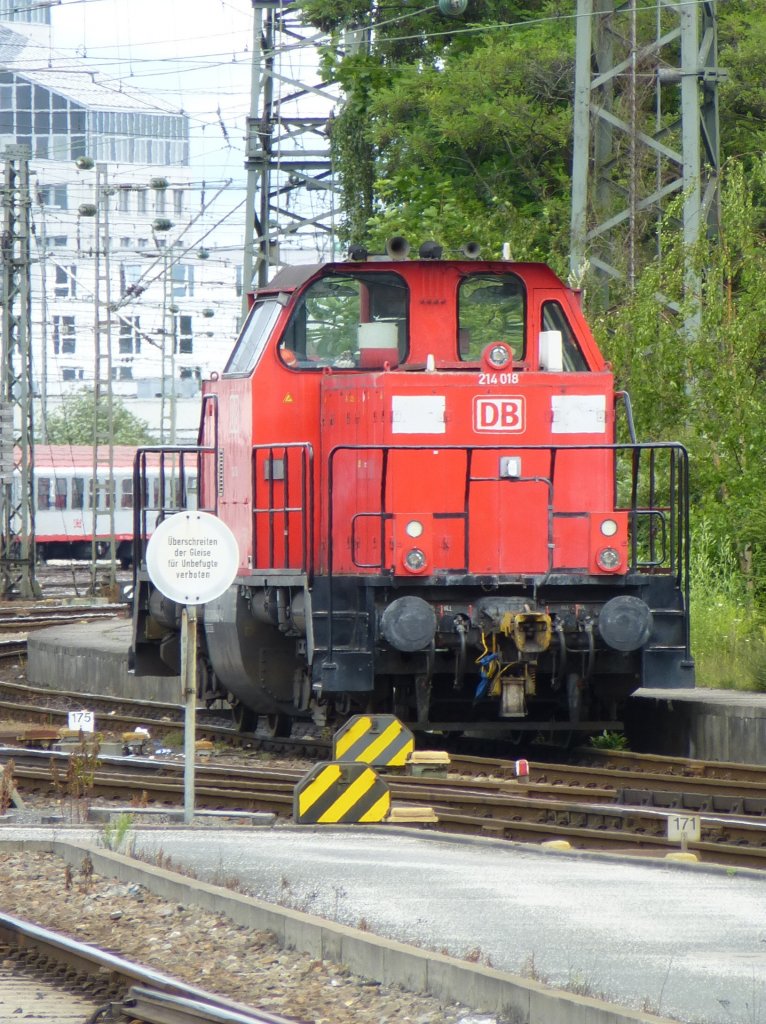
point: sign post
(192, 558)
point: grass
(728, 631)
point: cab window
(348, 321)
(253, 336)
(554, 319)
(490, 309)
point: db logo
(501, 414)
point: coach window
(554, 319)
(43, 493)
(61, 492)
(126, 492)
(253, 336)
(490, 308)
(348, 321)
(78, 491)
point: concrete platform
(607, 940)
(93, 658)
(713, 725)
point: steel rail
(146, 994)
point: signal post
(192, 558)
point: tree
(457, 129)
(707, 388)
(73, 422)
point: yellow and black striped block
(380, 740)
(340, 792)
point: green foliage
(704, 383)
(79, 420)
(609, 741)
(115, 832)
(450, 130)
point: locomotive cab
(419, 460)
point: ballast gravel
(206, 950)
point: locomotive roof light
(498, 355)
(414, 529)
(430, 251)
(608, 528)
(608, 559)
(415, 560)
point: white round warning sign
(192, 557)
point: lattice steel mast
(17, 542)
(290, 188)
(645, 129)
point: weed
(7, 787)
(115, 832)
(86, 872)
(609, 741)
(76, 788)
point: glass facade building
(54, 127)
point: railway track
(589, 816)
(115, 715)
(20, 618)
(57, 979)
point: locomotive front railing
(166, 480)
(651, 485)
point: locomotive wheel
(245, 719)
(278, 726)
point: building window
(123, 200)
(130, 335)
(183, 280)
(159, 201)
(63, 335)
(70, 373)
(122, 373)
(53, 195)
(183, 338)
(66, 282)
(178, 202)
(141, 200)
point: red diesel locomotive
(419, 461)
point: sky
(196, 56)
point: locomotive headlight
(415, 560)
(608, 559)
(414, 529)
(609, 527)
(498, 356)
